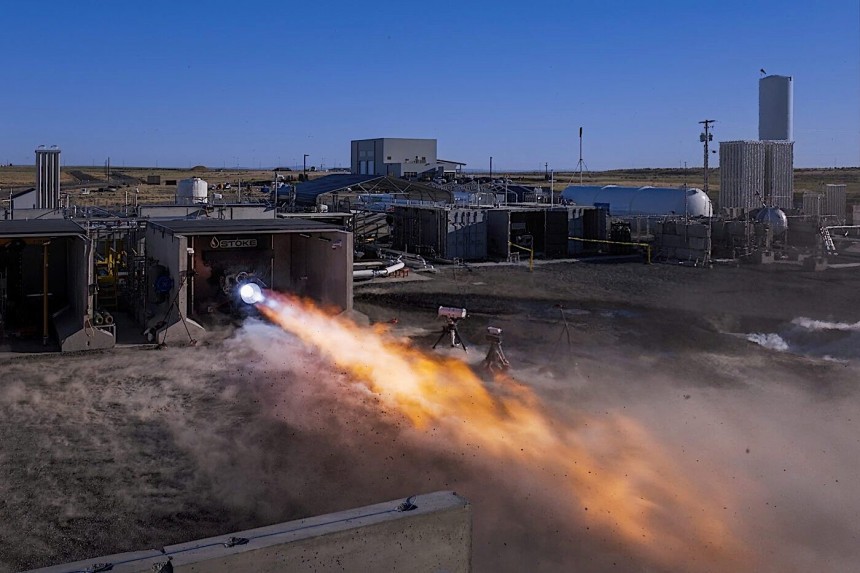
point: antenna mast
(581, 164)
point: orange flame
(610, 468)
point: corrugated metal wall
(779, 174)
(812, 203)
(741, 174)
(835, 201)
(756, 172)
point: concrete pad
(434, 535)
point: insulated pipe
(369, 274)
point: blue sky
(262, 83)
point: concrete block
(697, 243)
(434, 536)
(763, 257)
(670, 241)
(698, 230)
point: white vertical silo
(776, 108)
(192, 191)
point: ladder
(828, 241)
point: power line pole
(706, 137)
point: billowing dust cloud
(610, 467)
(607, 460)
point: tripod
(450, 329)
(495, 359)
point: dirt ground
(137, 448)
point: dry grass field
(131, 178)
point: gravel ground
(136, 448)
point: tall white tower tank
(776, 108)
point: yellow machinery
(111, 271)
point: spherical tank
(643, 201)
(775, 218)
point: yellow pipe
(531, 253)
(646, 245)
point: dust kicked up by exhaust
(608, 472)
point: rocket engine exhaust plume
(606, 471)
(251, 293)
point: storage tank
(775, 108)
(643, 201)
(191, 191)
(775, 218)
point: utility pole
(305, 166)
(491, 167)
(706, 137)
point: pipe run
(531, 253)
(645, 245)
(370, 273)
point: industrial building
(754, 174)
(502, 233)
(642, 201)
(776, 108)
(47, 285)
(194, 267)
(399, 157)
(344, 192)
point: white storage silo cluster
(760, 173)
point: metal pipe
(531, 253)
(646, 245)
(45, 293)
(369, 274)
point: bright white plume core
(251, 293)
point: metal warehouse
(475, 233)
(196, 265)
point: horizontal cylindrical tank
(193, 190)
(642, 201)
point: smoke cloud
(142, 448)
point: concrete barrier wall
(679, 241)
(434, 536)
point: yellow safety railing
(645, 245)
(531, 253)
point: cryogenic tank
(194, 190)
(643, 201)
(775, 218)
